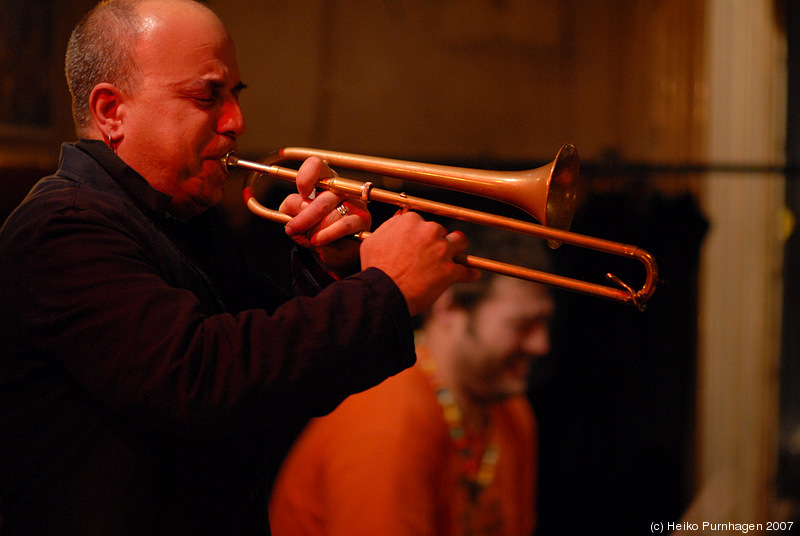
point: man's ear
(104, 103)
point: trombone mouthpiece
(228, 161)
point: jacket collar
(136, 186)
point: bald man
(147, 368)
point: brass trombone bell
(548, 193)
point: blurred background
(685, 114)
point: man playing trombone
(146, 366)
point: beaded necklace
(475, 477)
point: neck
(474, 413)
(468, 425)
(475, 416)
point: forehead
(519, 296)
(183, 41)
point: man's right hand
(418, 256)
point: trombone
(548, 193)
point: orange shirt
(383, 463)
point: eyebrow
(206, 83)
(239, 87)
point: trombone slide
(557, 178)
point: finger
(458, 241)
(293, 204)
(313, 213)
(348, 219)
(308, 175)
(346, 226)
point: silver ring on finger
(342, 209)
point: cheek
(212, 171)
(496, 335)
(187, 158)
(490, 354)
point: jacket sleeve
(112, 305)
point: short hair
(101, 49)
(500, 245)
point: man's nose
(232, 120)
(537, 341)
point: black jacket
(145, 365)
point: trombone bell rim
(562, 197)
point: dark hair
(505, 246)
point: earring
(110, 143)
